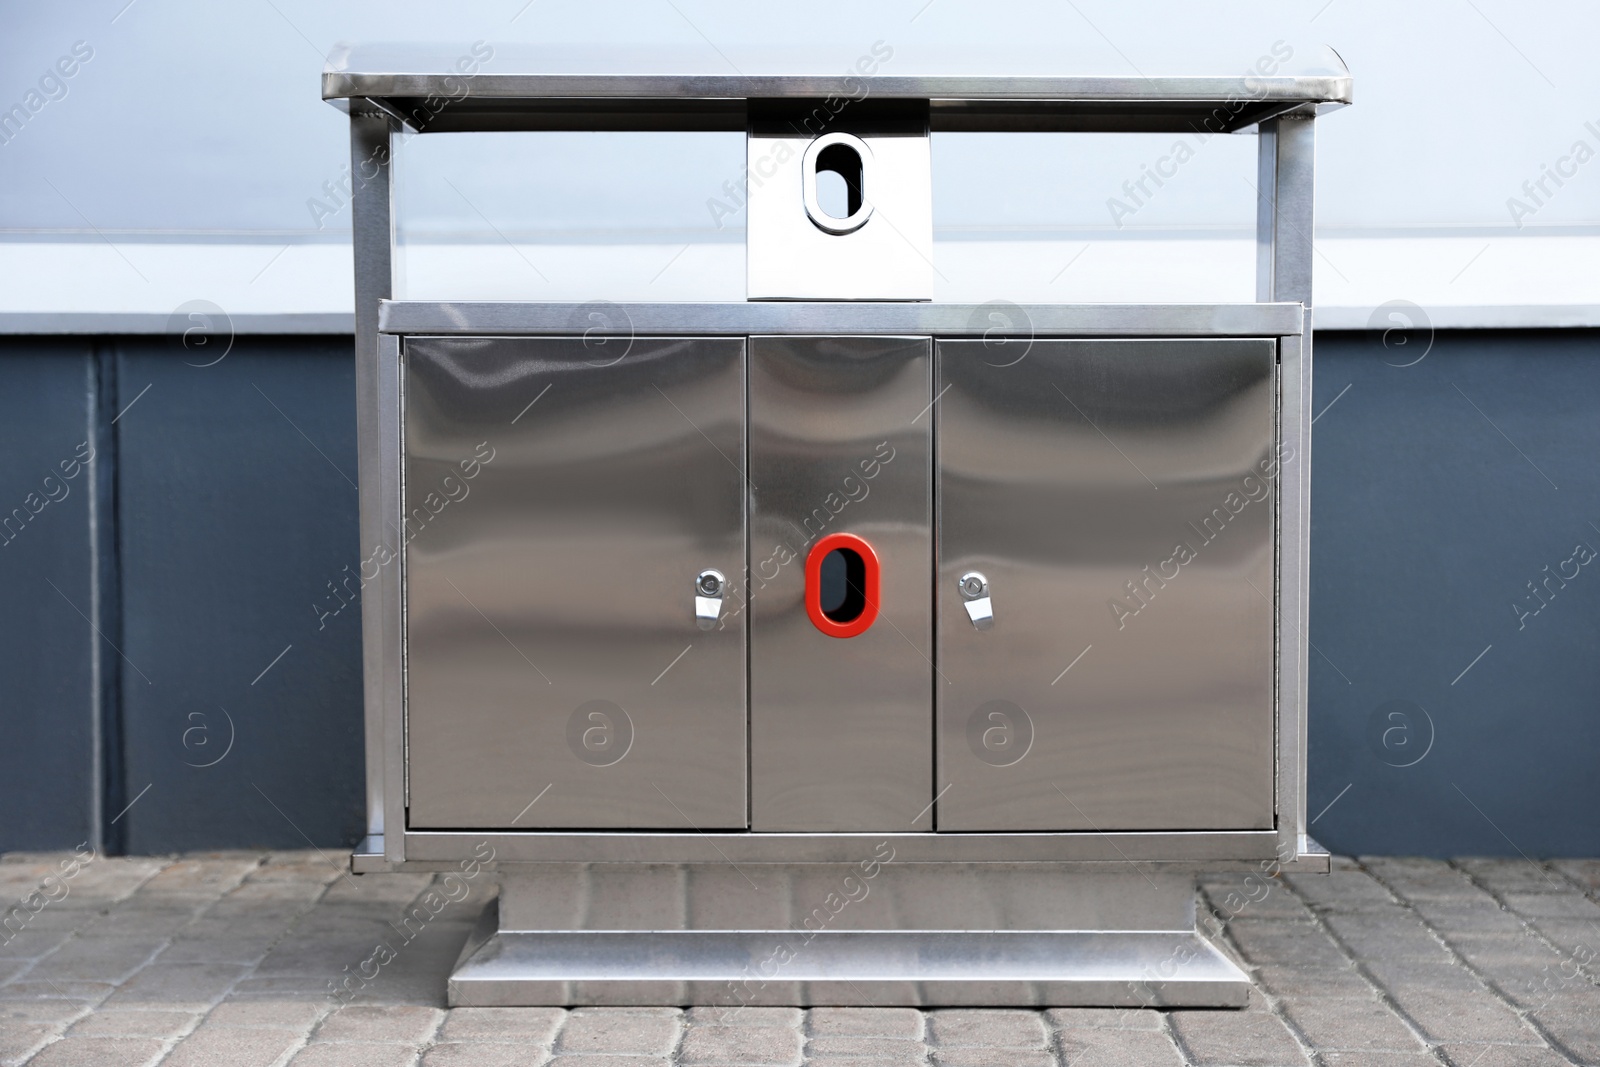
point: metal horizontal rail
(443, 99)
(995, 319)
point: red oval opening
(842, 585)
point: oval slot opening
(833, 180)
(842, 585)
(839, 181)
(844, 582)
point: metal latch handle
(975, 598)
(709, 586)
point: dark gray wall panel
(237, 509)
(47, 689)
(1440, 490)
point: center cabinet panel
(841, 731)
(1110, 667)
(562, 497)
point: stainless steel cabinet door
(1112, 505)
(841, 731)
(561, 500)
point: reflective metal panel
(878, 245)
(1118, 500)
(840, 728)
(564, 498)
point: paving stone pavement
(227, 960)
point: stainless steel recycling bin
(837, 646)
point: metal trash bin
(985, 624)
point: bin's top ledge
(482, 86)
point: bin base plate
(920, 968)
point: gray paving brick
(284, 895)
(1475, 917)
(1293, 944)
(740, 1045)
(218, 1046)
(161, 1025)
(155, 921)
(1245, 1039)
(1401, 976)
(1520, 946)
(191, 986)
(1569, 905)
(1379, 1059)
(38, 939)
(1513, 875)
(996, 1029)
(486, 1054)
(535, 1025)
(189, 949)
(283, 985)
(1104, 1018)
(1397, 942)
(744, 1015)
(18, 1041)
(1584, 872)
(1352, 1024)
(1575, 1023)
(380, 1022)
(355, 1054)
(1342, 980)
(99, 1052)
(1118, 1048)
(198, 877)
(1340, 891)
(905, 1023)
(978, 1056)
(618, 1032)
(1464, 1016)
(1580, 937)
(90, 959)
(608, 1061)
(861, 1048)
(1414, 877)
(1504, 1055)
(1532, 986)
(298, 1014)
(304, 865)
(42, 1010)
(392, 889)
(28, 988)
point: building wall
(173, 644)
(231, 713)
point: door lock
(709, 586)
(975, 598)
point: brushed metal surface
(543, 88)
(840, 728)
(1294, 574)
(374, 282)
(1285, 220)
(556, 674)
(878, 891)
(1190, 849)
(727, 970)
(997, 318)
(1122, 686)
(888, 256)
(379, 70)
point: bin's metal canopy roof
(435, 89)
